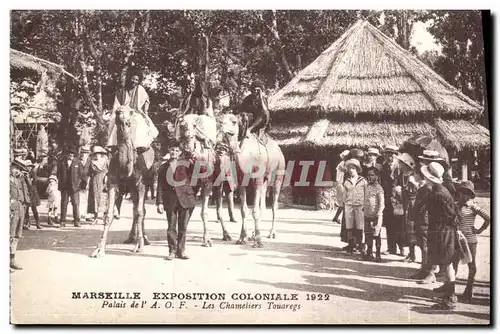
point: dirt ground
(305, 259)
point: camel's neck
(126, 151)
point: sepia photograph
(244, 167)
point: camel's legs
(205, 195)
(276, 194)
(230, 206)
(138, 197)
(217, 193)
(256, 215)
(244, 213)
(108, 221)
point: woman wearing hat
(429, 156)
(339, 178)
(468, 212)
(409, 182)
(97, 170)
(442, 241)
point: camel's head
(123, 115)
(229, 125)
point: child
(353, 199)
(373, 210)
(409, 183)
(54, 199)
(468, 212)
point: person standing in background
(388, 181)
(84, 193)
(339, 178)
(71, 179)
(98, 165)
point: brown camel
(129, 168)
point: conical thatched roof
(366, 75)
(366, 90)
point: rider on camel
(255, 105)
(199, 103)
(143, 129)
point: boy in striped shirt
(468, 212)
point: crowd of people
(419, 204)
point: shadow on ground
(355, 279)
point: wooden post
(464, 170)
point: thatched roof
(365, 75)
(21, 60)
(325, 133)
(460, 134)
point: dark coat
(168, 195)
(442, 233)
(70, 178)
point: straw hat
(407, 160)
(99, 149)
(391, 149)
(53, 177)
(18, 151)
(373, 151)
(433, 172)
(430, 155)
(353, 162)
(468, 187)
(85, 149)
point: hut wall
(314, 195)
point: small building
(365, 90)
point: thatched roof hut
(20, 60)
(367, 90)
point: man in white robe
(143, 130)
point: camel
(128, 168)
(258, 166)
(192, 130)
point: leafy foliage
(229, 49)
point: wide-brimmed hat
(430, 155)
(353, 162)
(373, 151)
(357, 153)
(19, 164)
(433, 172)
(344, 154)
(53, 177)
(19, 151)
(99, 149)
(28, 163)
(391, 149)
(468, 187)
(85, 149)
(407, 160)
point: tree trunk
(129, 54)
